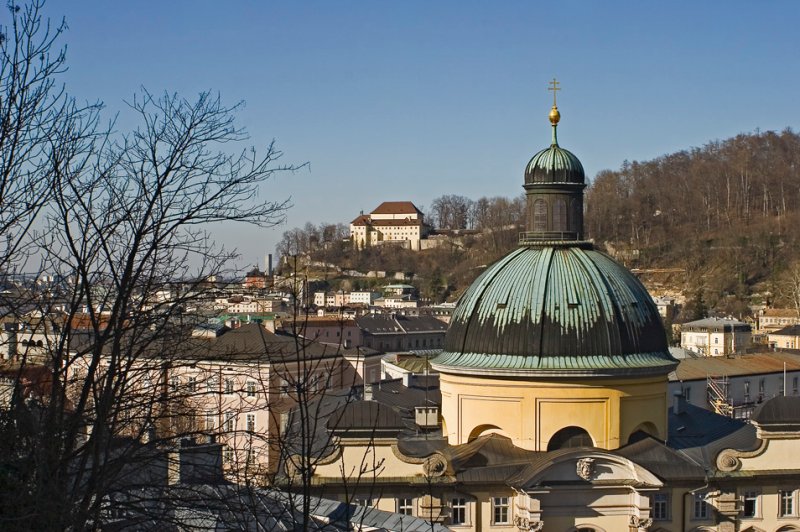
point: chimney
(11, 331)
(678, 402)
(269, 264)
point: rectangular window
(229, 386)
(284, 388)
(211, 384)
(230, 421)
(700, 506)
(500, 514)
(787, 503)
(251, 457)
(211, 421)
(405, 506)
(227, 455)
(174, 382)
(459, 511)
(750, 504)
(746, 391)
(251, 422)
(251, 389)
(794, 385)
(660, 505)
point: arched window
(570, 437)
(560, 216)
(540, 215)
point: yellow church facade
(533, 413)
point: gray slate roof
(228, 507)
(254, 343)
(662, 461)
(377, 324)
(791, 330)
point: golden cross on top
(554, 87)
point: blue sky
(411, 100)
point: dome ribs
(556, 310)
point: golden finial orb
(554, 116)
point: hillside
(717, 223)
(727, 213)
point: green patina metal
(556, 310)
(555, 306)
(554, 165)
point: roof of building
(781, 313)
(400, 324)
(735, 365)
(662, 461)
(781, 411)
(253, 342)
(361, 219)
(711, 323)
(396, 207)
(791, 330)
(411, 362)
(333, 322)
(243, 507)
(553, 311)
(421, 391)
(679, 353)
(369, 416)
(693, 426)
(554, 165)
(255, 272)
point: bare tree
(789, 286)
(122, 221)
(42, 130)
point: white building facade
(715, 336)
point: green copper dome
(554, 165)
(564, 310)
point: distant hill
(728, 213)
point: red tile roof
(396, 207)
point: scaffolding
(719, 396)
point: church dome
(557, 310)
(554, 165)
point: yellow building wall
(780, 454)
(368, 460)
(530, 412)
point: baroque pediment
(584, 466)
